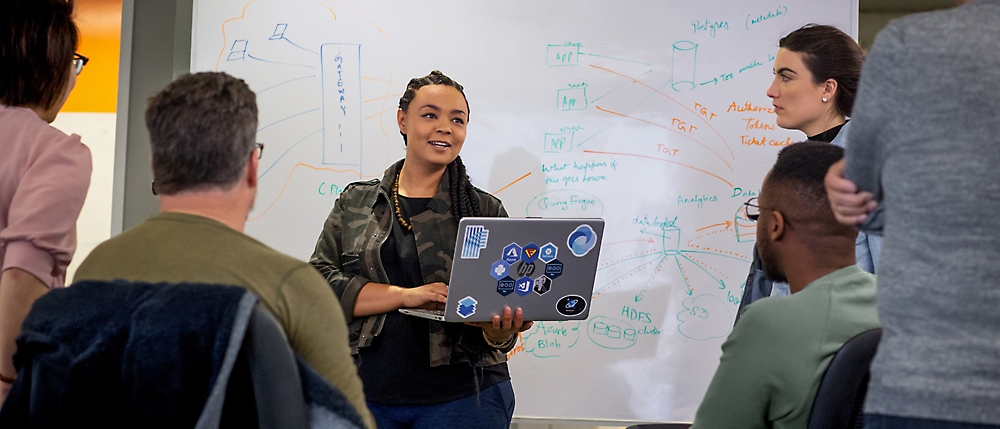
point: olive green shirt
(177, 247)
(775, 357)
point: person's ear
(401, 120)
(830, 90)
(251, 174)
(778, 225)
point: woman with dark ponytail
(388, 244)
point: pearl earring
(824, 99)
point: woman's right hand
(430, 296)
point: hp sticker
(475, 240)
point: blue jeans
(493, 410)
(878, 421)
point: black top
(396, 369)
(828, 135)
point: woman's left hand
(502, 329)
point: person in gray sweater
(923, 169)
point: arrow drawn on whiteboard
(726, 223)
(713, 81)
(636, 80)
(659, 267)
(616, 59)
(668, 129)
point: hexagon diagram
(512, 253)
(524, 286)
(554, 269)
(499, 269)
(530, 253)
(548, 252)
(542, 284)
(505, 286)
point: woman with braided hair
(388, 244)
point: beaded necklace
(395, 204)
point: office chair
(841, 394)
(93, 354)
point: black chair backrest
(841, 394)
(274, 374)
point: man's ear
(251, 174)
(777, 229)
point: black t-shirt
(828, 135)
(396, 369)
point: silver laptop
(544, 266)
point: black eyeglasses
(79, 61)
(752, 210)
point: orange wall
(100, 40)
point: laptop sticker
(554, 269)
(530, 253)
(512, 253)
(524, 286)
(499, 269)
(505, 286)
(571, 305)
(466, 307)
(476, 238)
(525, 269)
(581, 240)
(548, 253)
(542, 284)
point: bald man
(773, 361)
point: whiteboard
(649, 114)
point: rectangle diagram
(574, 98)
(562, 55)
(559, 143)
(342, 121)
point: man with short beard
(773, 361)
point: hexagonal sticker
(524, 269)
(512, 253)
(524, 285)
(548, 252)
(505, 286)
(542, 284)
(553, 269)
(529, 253)
(499, 269)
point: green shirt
(774, 359)
(177, 247)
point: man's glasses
(751, 209)
(78, 62)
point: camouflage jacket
(347, 255)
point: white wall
(97, 130)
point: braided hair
(464, 200)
